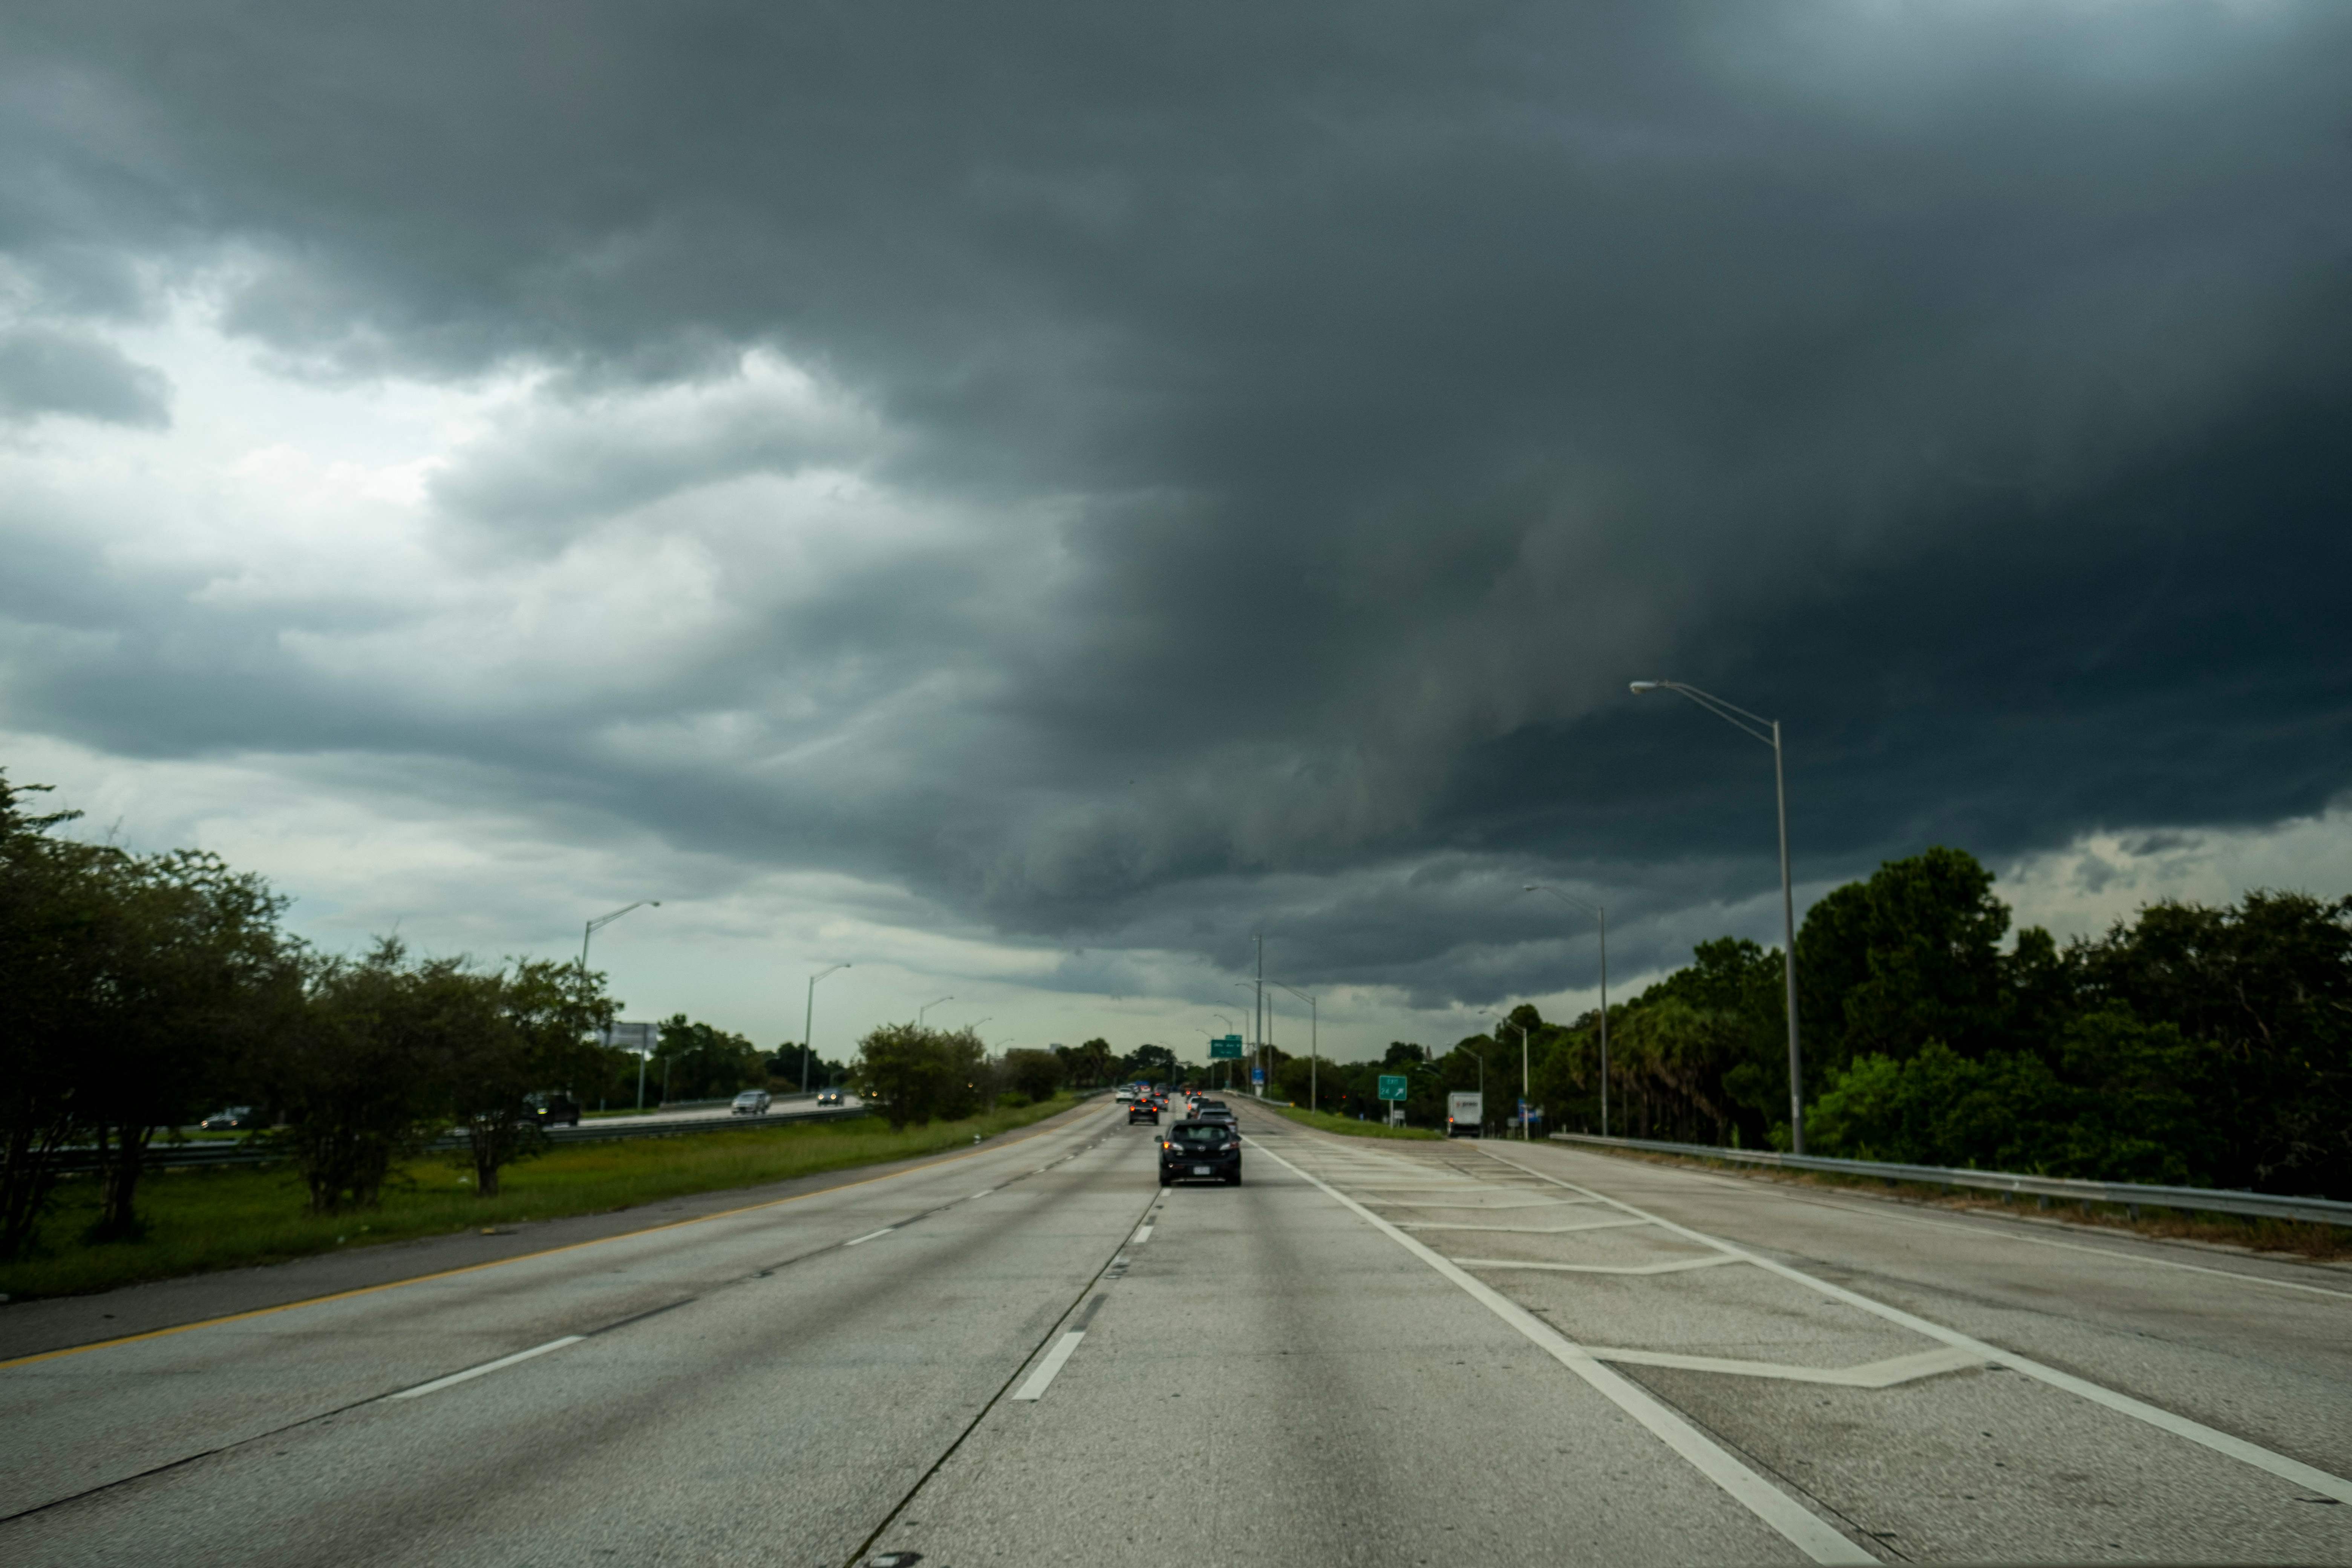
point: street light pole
(808, 1021)
(1314, 1039)
(1769, 732)
(1524, 1090)
(926, 1007)
(590, 930)
(1600, 913)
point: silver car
(751, 1102)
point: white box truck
(1463, 1113)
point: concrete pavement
(1370, 1351)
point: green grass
(1325, 1122)
(199, 1220)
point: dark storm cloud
(1963, 385)
(45, 371)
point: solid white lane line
(1039, 1380)
(1142, 1235)
(870, 1234)
(1873, 1375)
(1524, 1229)
(1675, 1267)
(1814, 1537)
(2163, 1420)
(472, 1371)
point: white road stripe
(1675, 1267)
(2163, 1420)
(1813, 1537)
(1873, 1375)
(1143, 1236)
(871, 1235)
(1035, 1388)
(472, 1371)
(1524, 1229)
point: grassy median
(1325, 1122)
(200, 1220)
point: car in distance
(553, 1109)
(1122, 1094)
(1142, 1111)
(1216, 1111)
(235, 1118)
(1201, 1152)
(828, 1097)
(751, 1102)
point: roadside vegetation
(200, 1220)
(147, 991)
(2194, 1045)
(1328, 1121)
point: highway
(1372, 1351)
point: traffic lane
(32, 1328)
(1340, 1401)
(1967, 1462)
(2244, 1355)
(795, 1408)
(781, 1105)
(94, 1416)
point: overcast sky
(1018, 498)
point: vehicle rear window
(1198, 1132)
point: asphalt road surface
(1370, 1351)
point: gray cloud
(1332, 409)
(44, 370)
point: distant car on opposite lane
(554, 1109)
(828, 1097)
(235, 1118)
(1201, 1152)
(751, 1102)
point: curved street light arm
(1754, 725)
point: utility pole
(1261, 1009)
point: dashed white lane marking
(870, 1235)
(472, 1371)
(1041, 1379)
(1874, 1374)
(1142, 1235)
(2163, 1420)
(1814, 1537)
(982, 1192)
(1674, 1266)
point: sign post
(1392, 1089)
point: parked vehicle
(751, 1102)
(1464, 1114)
(1201, 1152)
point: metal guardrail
(183, 1156)
(2132, 1195)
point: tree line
(2191, 1045)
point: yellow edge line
(501, 1262)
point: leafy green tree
(1033, 1073)
(1151, 1063)
(536, 1035)
(1909, 956)
(1089, 1066)
(917, 1075)
(361, 1071)
(699, 1061)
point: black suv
(1201, 1152)
(1142, 1109)
(554, 1109)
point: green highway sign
(1391, 1085)
(1223, 1047)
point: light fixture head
(1639, 687)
